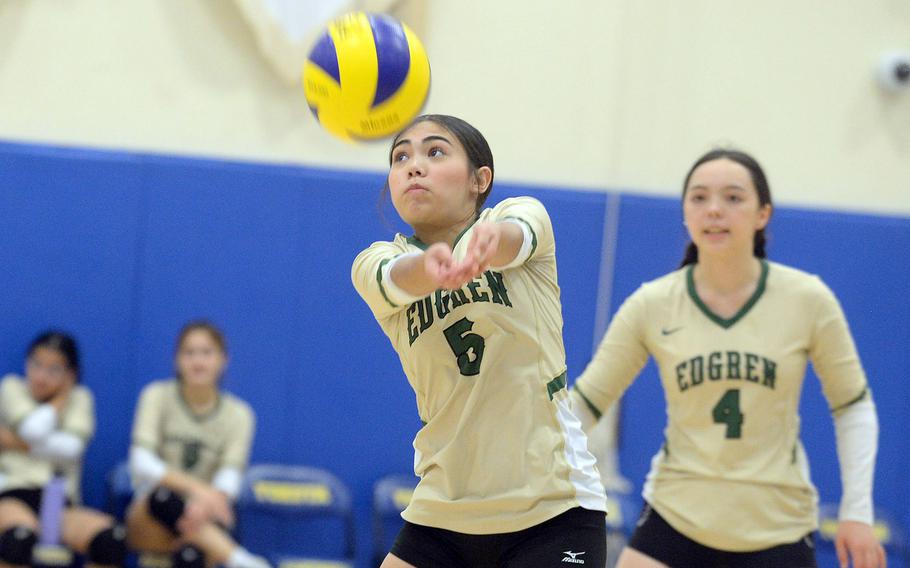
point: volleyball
(366, 77)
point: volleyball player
(731, 333)
(190, 447)
(470, 303)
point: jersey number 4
(467, 347)
(726, 411)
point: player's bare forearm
(508, 242)
(491, 244)
(10, 442)
(418, 275)
(431, 270)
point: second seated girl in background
(190, 446)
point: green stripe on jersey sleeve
(597, 413)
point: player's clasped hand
(445, 272)
(203, 506)
(483, 246)
(857, 546)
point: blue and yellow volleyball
(366, 77)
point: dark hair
(62, 343)
(475, 145)
(202, 325)
(758, 180)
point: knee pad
(108, 548)
(16, 545)
(188, 556)
(166, 507)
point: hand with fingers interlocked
(445, 272)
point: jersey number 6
(467, 347)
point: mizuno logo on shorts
(571, 557)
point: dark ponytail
(759, 244)
(691, 256)
(761, 187)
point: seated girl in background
(46, 421)
(190, 445)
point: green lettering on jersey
(442, 303)
(425, 313)
(733, 370)
(497, 288)
(715, 365)
(191, 453)
(770, 373)
(420, 315)
(458, 298)
(681, 376)
(751, 367)
(726, 365)
(697, 367)
(412, 328)
(475, 297)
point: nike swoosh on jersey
(666, 331)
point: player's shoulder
(160, 388)
(82, 394)
(665, 286)
(380, 249)
(12, 381)
(236, 406)
(514, 207)
(794, 281)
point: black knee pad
(16, 545)
(166, 507)
(108, 548)
(188, 556)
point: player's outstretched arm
(422, 273)
(491, 244)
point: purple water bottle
(49, 551)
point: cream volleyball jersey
(500, 450)
(199, 445)
(732, 473)
(22, 470)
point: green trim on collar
(465, 230)
(423, 246)
(727, 323)
(198, 417)
(413, 240)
